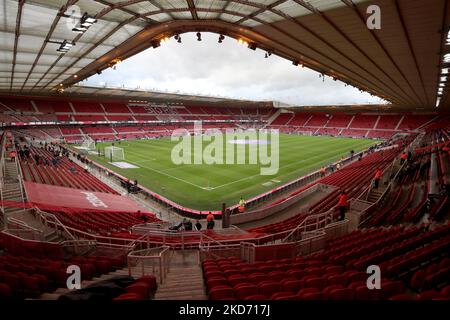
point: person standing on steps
(342, 204)
(376, 181)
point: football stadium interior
(95, 202)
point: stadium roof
(403, 62)
(90, 92)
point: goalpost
(88, 143)
(305, 132)
(114, 154)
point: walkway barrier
(154, 261)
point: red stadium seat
(342, 294)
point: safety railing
(2, 174)
(366, 213)
(50, 220)
(17, 224)
(264, 212)
(311, 222)
(78, 247)
(311, 242)
(153, 261)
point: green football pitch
(207, 186)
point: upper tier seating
(317, 120)
(412, 122)
(339, 121)
(363, 121)
(23, 105)
(53, 106)
(388, 121)
(195, 110)
(115, 107)
(299, 119)
(282, 119)
(87, 107)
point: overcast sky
(228, 69)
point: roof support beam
(261, 10)
(49, 34)
(121, 6)
(114, 6)
(160, 8)
(191, 6)
(133, 46)
(16, 38)
(109, 34)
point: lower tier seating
(339, 272)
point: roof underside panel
(400, 62)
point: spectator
(342, 204)
(323, 170)
(241, 205)
(178, 226)
(187, 225)
(378, 174)
(338, 166)
(198, 225)
(210, 221)
(403, 157)
(12, 155)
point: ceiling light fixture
(86, 21)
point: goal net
(114, 154)
(305, 132)
(88, 143)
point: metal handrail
(46, 215)
(327, 218)
(142, 256)
(389, 186)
